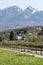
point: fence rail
(29, 49)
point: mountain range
(14, 17)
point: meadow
(16, 58)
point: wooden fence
(29, 49)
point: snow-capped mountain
(13, 17)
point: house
(21, 34)
(22, 31)
(20, 37)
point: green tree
(0, 39)
(11, 37)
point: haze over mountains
(14, 17)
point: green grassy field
(16, 58)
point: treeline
(11, 34)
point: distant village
(21, 34)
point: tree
(11, 37)
(0, 39)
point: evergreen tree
(0, 39)
(11, 37)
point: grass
(16, 58)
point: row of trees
(11, 36)
(30, 37)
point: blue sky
(38, 4)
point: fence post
(21, 48)
(27, 49)
(41, 51)
(24, 48)
(16, 47)
(36, 50)
(31, 49)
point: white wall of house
(19, 37)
